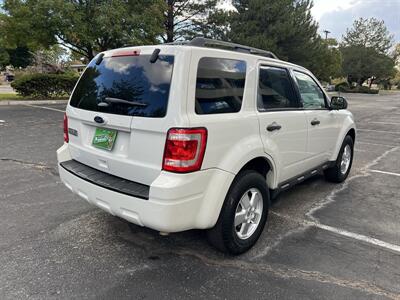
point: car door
(283, 125)
(322, 122)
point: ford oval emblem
(99, 119)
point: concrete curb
(30, 102)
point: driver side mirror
(338, 102)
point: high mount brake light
(125, 53)
(184, 149)
(66, 136)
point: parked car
(330, 87)
(9, 77)
(183, 136)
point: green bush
(342, 85)
(360, 89)
(45, 85)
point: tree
(396, 55)
(4, 58)
(20, 57)
(217, 25)
(12, 53)
(365, 50)
(50, 60)
(396, 80)
(361, 63)
(285, 27)
(370, 33)
(54, 55)
(185, 19)
(327, 62)
(281, 26)
(85, 26)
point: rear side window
(275, 90)
(220, 85)
(126, 85)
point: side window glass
(275, 89)
(220, 85)
(311, 94)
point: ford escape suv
(199, 135)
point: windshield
(126, 85)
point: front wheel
(339, 172)
(243, 215)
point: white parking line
(374, 144)
(342, 232)
(372, 106)
(384, 172)
(331, 198)
(379, 131)
(44, 107)
(386, 123)
(359, 237)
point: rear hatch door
(116, 115)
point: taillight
(184, 149)
(66, 136)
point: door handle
(274, 126)
(315, 122)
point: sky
(338, 15)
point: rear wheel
(243, 215)
(341, 169)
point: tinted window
(145, 86)
(311, 94)
(275, 89)
(220, 85)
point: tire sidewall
(347, 141)
(245, 181)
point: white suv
(177, 137)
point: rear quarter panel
(233, 138)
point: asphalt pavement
(323, 240)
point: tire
(227, 237)
(338, 173)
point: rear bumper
(176, 202)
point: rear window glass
(126, 85)
(220, 85)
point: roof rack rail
(204, 42)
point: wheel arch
(352, 133)
(346, 130)
(259, 162)
(263, 165)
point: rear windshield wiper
(109, 100)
